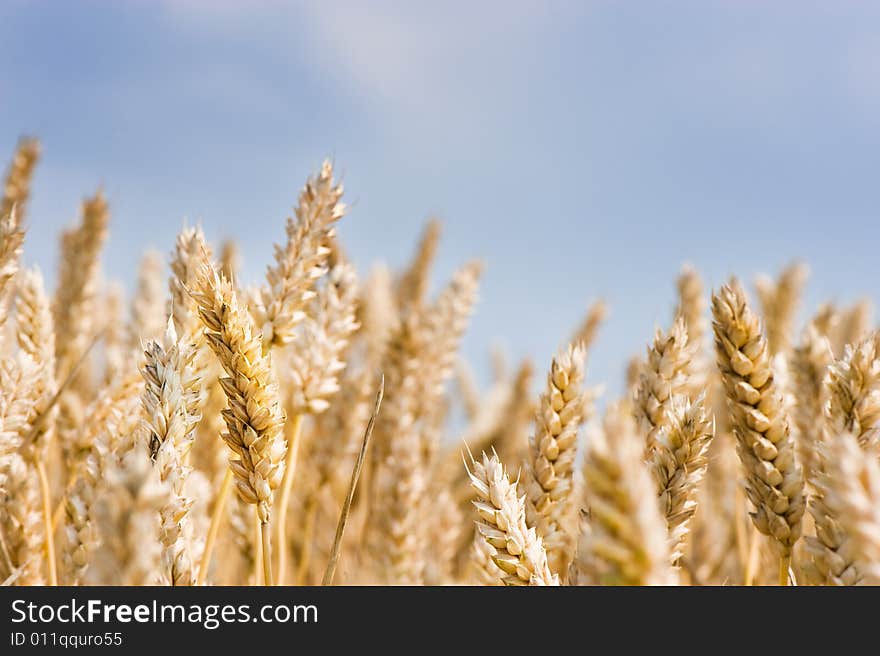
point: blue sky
(582, 149)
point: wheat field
(297, 431)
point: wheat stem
(266, 536)
(284, 500)
(784, 563)
(752, 560)
(259, 572)
(214, 527)
(47, 520)
(310, 512)
(738, 527)
(355, 475)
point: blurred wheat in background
(301, 430)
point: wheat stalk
(349, 497)
(774, 480)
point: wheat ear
(230, 259)
(626, 540)
(314, 368)
(809, 360)
(167, 377)
(691, 304)
(587, 332)
(679, 464)
(281, 303)
(254, 418)
(17, 186)
(102, 422)
(443, 325)
(779, 301)
(36, 339)
(851, 399)
(19, 495)
(412, 287)
(852, 490)
(856, 322)
(516, 548)
(78, 277)
(562, 409)
(853, 393)
(774, 480)
(13, 207)
(148, 304)
(663, 375)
